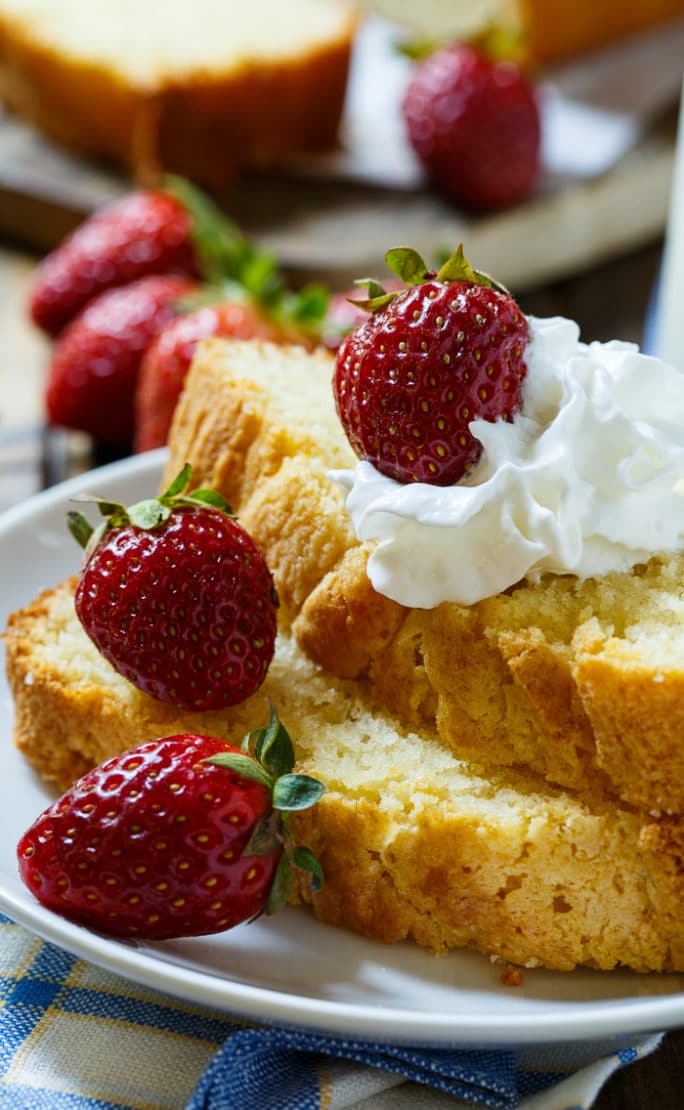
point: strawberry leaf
(260, 276)
(211, 295)
(374, 304)
(408, 265)
(294, 792)
(307, 307)
(265, 838)
(305, 860)
(375, 289)
(458, 268)
(261, 739)
(179, 483)
(148, 514)
(419, 49)
(250, 742)
(230, 263)
(274, 749)
(503, 41)
(107, 508)
(80, 527)
(281, 889)
(209, 497)
(219, 243)
(225, 254)
(243, 765)
(377, 298)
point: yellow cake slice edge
(576, 680)
(415, 844)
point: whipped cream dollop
(588, 478)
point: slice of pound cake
(580, 680)
(414, 842)
(201, 89)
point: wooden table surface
(607, 302)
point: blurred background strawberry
(155, 260)
(167, 359)
(474, 122)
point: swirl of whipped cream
(588, 478)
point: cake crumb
(512, 976)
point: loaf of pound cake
(414, 842)
(581, 682)
(201, 89)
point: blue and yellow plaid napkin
(74, 1037)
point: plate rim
(589, 1019)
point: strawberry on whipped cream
(587, 479)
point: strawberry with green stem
(474, 122)
(245, 298)
(177, 596)
(182, 836)
(166, 362)
(142, 233)
(447, 349)
(109, 315)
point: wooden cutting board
(321, 227)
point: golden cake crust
(205, 125)
(414, 843)
(580, 681)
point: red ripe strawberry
(475, 125)
(178, 597)
(143, 233)
(181, 836)
(428, 361)
(94, 366)
(167, 360)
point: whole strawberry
(109, 315)
(147, 232)
(94, 366)
(475, 125)
(181, 836)
(430, 359)
(178, 597)
(167, 360)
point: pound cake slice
(582, 682)
(414, 842)
(201, 89)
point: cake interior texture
(580, 681)
(415, 843)
(205, 90)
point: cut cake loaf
(201, 88)
(414, 843)
(583, 682)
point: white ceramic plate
(292, 969)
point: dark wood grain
(656, 1083)
(324, 226)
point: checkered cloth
(74, 1037)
